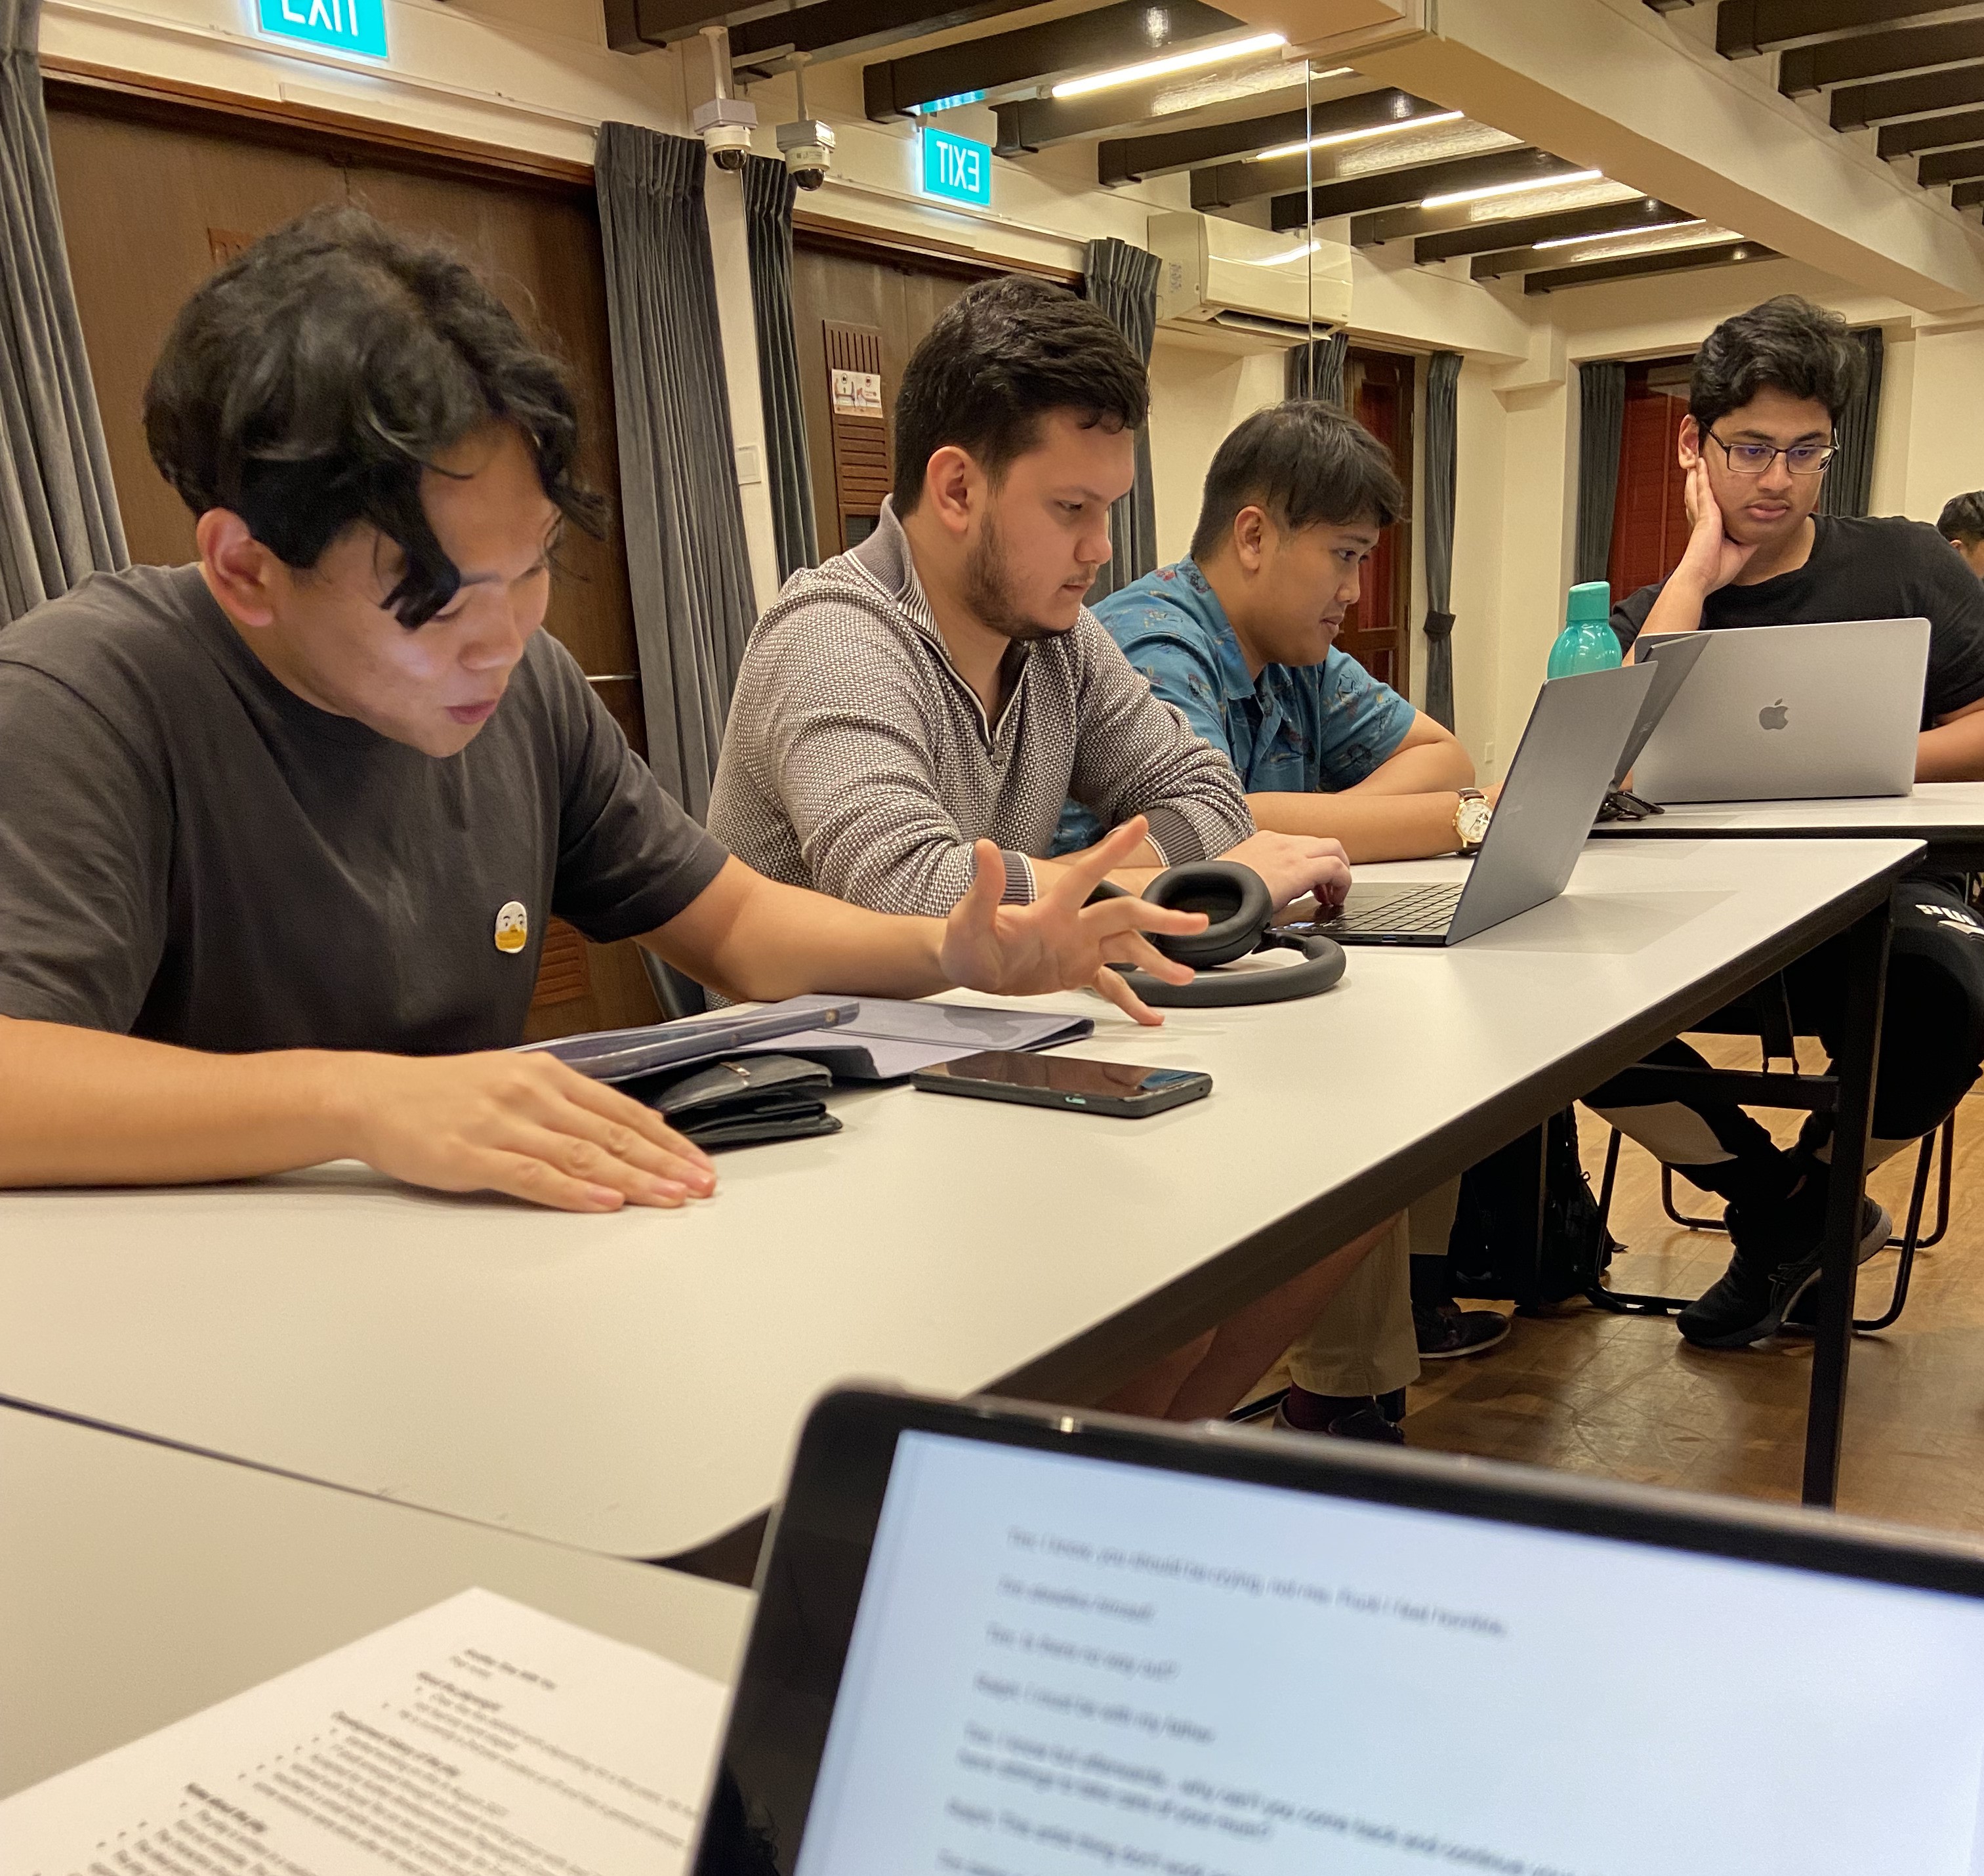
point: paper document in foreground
(478, 1738)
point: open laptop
(1562, 768)
(1792, 713)
(993, 1637)
(1677, 657)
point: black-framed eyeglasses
(1756, 458)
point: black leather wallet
(742, 1100)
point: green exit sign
(338, 25)
(956, 168)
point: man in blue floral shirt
(1239, 637)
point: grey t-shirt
(189, 851)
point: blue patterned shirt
(1300, 728)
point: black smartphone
(1121, 1088)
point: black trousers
(1931, 1044)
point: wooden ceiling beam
(1950, 165)
(1523, 231)
(1745, 27)
(1854, 107)
(1807, 68)
(1129, 159)
(846, 29)
(1106, 36)
(1918, 134)
(1258, 84)
(1640, 266)
(1385, 189)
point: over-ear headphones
(1235, 900)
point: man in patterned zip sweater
(943, 683)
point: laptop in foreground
(1791, 713)
(1562, 770)
(1019, 1640)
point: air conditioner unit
(1221, 275)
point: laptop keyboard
(1411, 911)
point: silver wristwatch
(1471, 818)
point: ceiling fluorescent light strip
(1456, 197)
(1163, 68)
(1356, 136)
(1620, 234)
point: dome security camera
(807, 146)
(725, 125)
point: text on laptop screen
(1064, 1665)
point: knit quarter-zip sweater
(858, 761)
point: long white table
(1947, 818)
(139, 1584)
(631, 1384)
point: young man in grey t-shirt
(281, 831)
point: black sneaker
(1446, 1331)
(1762, 1286)
(1340, 1418)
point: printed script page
(478, 1738)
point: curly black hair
(310, 382)
(1000, 356)
(1786, 345)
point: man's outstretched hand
(1059, 942)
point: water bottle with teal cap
(1587, 642)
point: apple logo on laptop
(1774, 716)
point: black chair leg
(1624, 1302)
(1911, 1240)
(1943, 1185)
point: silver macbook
(1792, 713)
(1562, 768)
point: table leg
(1859, 1054)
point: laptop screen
(1062, 1665)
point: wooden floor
(1626, 1398)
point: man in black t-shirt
(280, 831)
(1764, 406)
(1962, 524)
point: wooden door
(865, 311)
(1649, 513)
(1377, 631)
(149, 208)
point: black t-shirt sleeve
(629, 857)
(86, 860)
(1629, 616)
(1951, 597)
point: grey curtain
(1601, 425)
(1315, 369)
(1436, 530)
(1849, 482)
(769, 190)
(686, 559)
(58, 515)
(1123, 281)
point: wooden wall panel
(892, 297)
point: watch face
(1473, 821)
